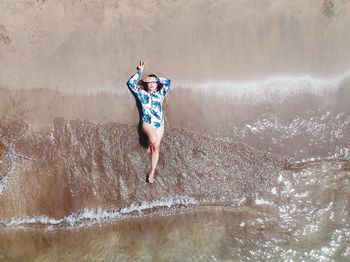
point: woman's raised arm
(132, 82)
(166, 84)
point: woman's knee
(156, 147)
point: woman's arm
(166, 84)
(132, 82)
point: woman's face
(152, 86)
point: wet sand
(80, 164)
(300, 118)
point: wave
(268, 89)
(302, 216)
(88, 217)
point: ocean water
(78, 192)
(305, 217)
(276, 187)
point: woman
(151, 98)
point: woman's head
(150, 83)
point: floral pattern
(152, 103)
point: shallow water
(77, 191)
(304, 217)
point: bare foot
(150, 178)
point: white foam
(4, 181)
(3, 184)
(278, 84)
(269, 88)
(260, 201)
(90, 216)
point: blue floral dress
(151, 102)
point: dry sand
(90, 46)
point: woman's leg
(150, 132)
(155, 151)
(154, 136)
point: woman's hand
(140, 67)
